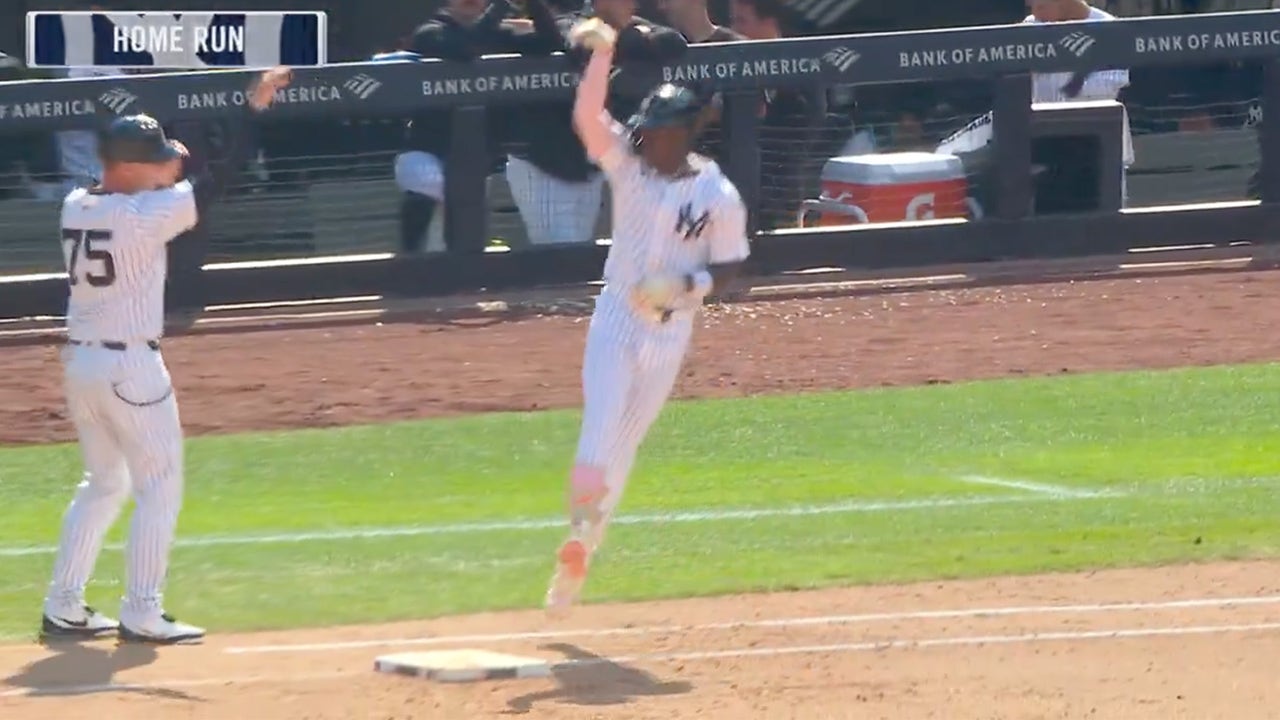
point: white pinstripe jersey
(1101, 85)
(115, 250)
(669, 226)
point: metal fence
(286, 206)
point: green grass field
(418, 519)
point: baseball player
(557, 190)
(119, 392)
(462, 31)
(1069, 87)
(679, 234)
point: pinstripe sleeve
(728, 242)
(161, 215)
(620, 160)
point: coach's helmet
(136, 139)
(665, 106)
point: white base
(462, 665)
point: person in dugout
(557, 190)
(462, 32)
(793, 130)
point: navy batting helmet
(666, 106)
(136, 139)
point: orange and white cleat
(571, 574)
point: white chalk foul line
(822, 620)
(739, 653)
(933, 643)
(693, 516)
(1037, 488)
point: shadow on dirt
(589, 679)
(87, 669)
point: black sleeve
(436, 41)
(667, 44)
(523, 42)
(547, 36)
(212, 180)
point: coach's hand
(263, 91)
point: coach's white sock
(92, 511)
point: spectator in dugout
(463, 31)
(556, 188)
(693, 20)
(641, 49)
(793, 128)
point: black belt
(112, 344)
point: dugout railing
(1003, 55)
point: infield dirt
(1205, 660)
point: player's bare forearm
(589, 118)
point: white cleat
(161, 629)
(83, 623)
(571, 574)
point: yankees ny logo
(688, 225)
(117, 100)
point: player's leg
(571, 207)
(585, 200)
(147, 414)
(657, 368)
(100, 496)
(529, 190)
(607, 376)
(420, 176)
(638, 385)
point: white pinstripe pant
(629, 368)
(553, 210)
(420, 172)
(126, 416)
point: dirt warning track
(319, 377)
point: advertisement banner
(403, 87)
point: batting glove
(593, 34)
(657, 293)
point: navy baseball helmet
(666, 106)
(136, 139)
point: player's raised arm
(210, 182)
(592, 122)
(180, 196)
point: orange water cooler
(889, 187)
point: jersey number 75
(87, 245)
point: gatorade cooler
(889, 187)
